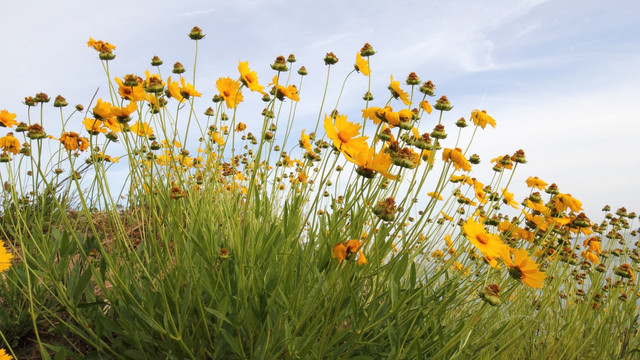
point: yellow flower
(522, 267)
(369, 161)
(306, 142)
(100, 45)
(590, 256)
(102, 110)
(93, 126)
(345, 135)
(230, 91)
(564, 201)
(346, 250)
(7, 119)
(250, 78)
(457, 158)
(10, 143)
(480, 118)
(187, 90)
(5, 259)
(72, 141)
(534, 182)
(174, 89)
(362, 65)
(4, 355)
(489, 244)
(424, 104)
(507, 198)
(397, 92)
(290, 91)
(141, 129)
(435, 195)
(134, 93)
(124, 112)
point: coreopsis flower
(72, 141)
(250, 78)
(187, 90)
(5, 261)
(141, 128)
(345, 135)
(480, 118)
(522, 267)
(535, 182)
(457, 158)
(4, 355)
(153, 83)
(564, 201)
(7, 119)
(489, 244)
(10, 144)
(102, 110)
(281, 92)
(345, 250)
(369, 163)
(94, 126)
(230, 91)
(133, 93)
(424, 104)
(174, 89)
(362, 65)
(123, 113)
(435, 195)
(100, 45)
(507, 198)
(398, 93)
(590, 256)
(112, 124)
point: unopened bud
(428, 88)
(330, 59)
(367, 50)
(386, 209)
(461, 123)
(491, 294)
(443, 104)
(291, 58)
(280, 64)
(413, 79)
(42, 97)
(60, 101)
(367, 96)
(209, 112)
(155, 61)
(178, 68)
(196, 33)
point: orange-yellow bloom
(507, 198)
(564, 201)
(457, 158)
(534, 182)
(124, 112)
(398, 93)
(72, 141)
(369, 161)
(480, 118)
(141, 129)
(187, 90)
(134, 93)
(10, 143)
(362, 65)
(249, 78)
(489, 244)
(5, 259)
(101, 46)
(522, 267)
(93, 126)
(174, 89)
(424, 104)
(102, 110)
(345, 135)
(4, 355)
(7, 119)
(230, 91)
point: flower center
(482, 238)
(343, 136)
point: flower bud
(224, 117)
(209, 111)
(413, 79)
(79, 107)
(21, 127)
(443, 104)
(367, 96)
(438, 132)
(112, 136)
(60, 101)
(606, 208)
(386, 209)
(29, 101)
(428, 88)
(36, 131)
(291, 58)
(366, 50)
(280, 64)
(217, 98)
(474, 159)
(552, 189)
(196, 33)
(106, 55)
(491, 294)
(519, 157)
(155, 61)
(330, 59)
(178, 68)
(42, 97)
(461, 123)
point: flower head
(7, 119)
(345, 135)
(457, 158)
(535, 182)
(362, 65)
(72, 141)
(398, 93)
(250, 78)
(480, 118)
(489, 244)
(230, 91)
(141, 129)
(5, 259)
(522, 267)
(134, 93)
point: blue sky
(561, 78)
